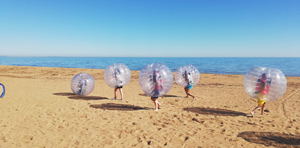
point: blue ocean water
(214, 65)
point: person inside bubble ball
(157, 89)
(82, 85)
(189, 79)
(262, 89)
(119, 83)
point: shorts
(156, 93)
(261, 100)
(119, 87)
(190, 86)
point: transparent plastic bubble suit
(82, 84)
(156, 76)
(274, 80)
(187, 74)
(117, 75)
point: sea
(290, 66)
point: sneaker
(113, 98)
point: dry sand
(40, 110)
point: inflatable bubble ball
(187, 75)
(156, 79)
(82, 84)
(270, 83)
(117, 75)
(3, 93)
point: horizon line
(145, 57)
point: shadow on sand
(76, 97)
(271, 138)
(171, 96)
(214, 111)
(144, 95)
(64, 94)
(161, 96)
(120, 107)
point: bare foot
(193, 97)
(252, 114)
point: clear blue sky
(150, 28)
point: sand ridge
(40, 110)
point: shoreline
(130, 70)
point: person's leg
(154, 101)
(252, 112)
(158, 104)
(115, 92)
(188, 93)
(121, 92)
(263, 108)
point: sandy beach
(40, 110)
